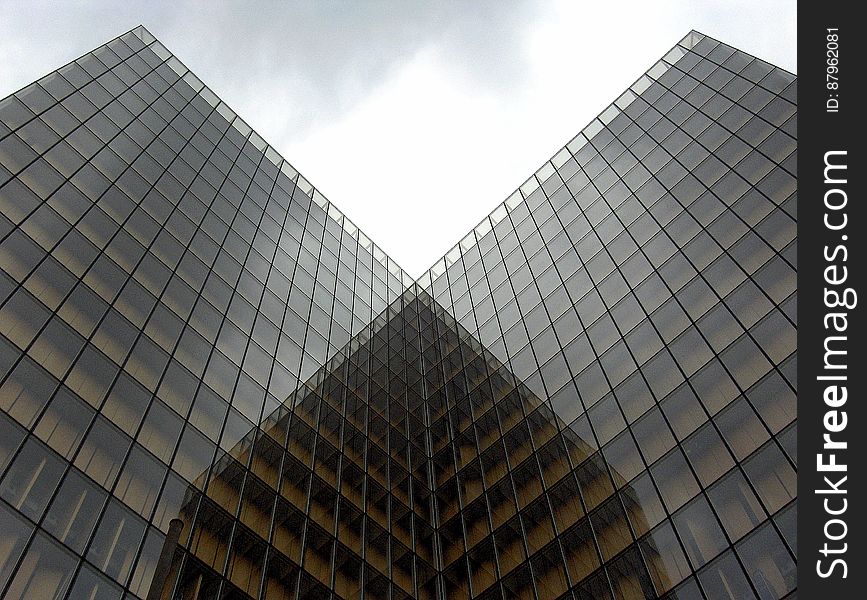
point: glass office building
(215, 386)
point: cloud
(415, 118)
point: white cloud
(428, 153)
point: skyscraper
(215, 386)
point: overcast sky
(415, 118)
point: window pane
(116, 541)
(45, 571)
(724, 579)
(699, 531)
(32, 478)
(74, 511)
(768, 563)
(16, 532)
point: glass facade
(215, 386)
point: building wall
(166, 279)
(643, 282)
(591, 396)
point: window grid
(592, 395)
